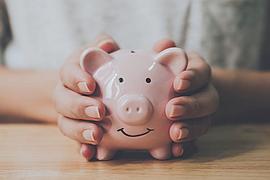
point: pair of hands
(79, 114)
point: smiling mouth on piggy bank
(135, 135)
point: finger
(106, 43)
(163, 44)
(196, 76)
(201, 104)
(177, 150)
(81, 131)
(74, 78)
(88, 151)
(75, 106)
(189, 130)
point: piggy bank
(135, 87)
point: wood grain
(34, 151)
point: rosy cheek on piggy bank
(135, 87)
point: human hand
(197, 99)
(77, 112)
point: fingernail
(105, 42)
(179, 152)
(183, 133)
(182, 84)
(85, 153)
(84, 87)
(92, 112)
(177, 110)
(88, 135)
(107, 45)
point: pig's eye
(121, 80)
(148, 80)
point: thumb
(106, 43)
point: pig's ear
(93, 58)
(173, 58)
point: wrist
(28, 94)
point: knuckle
(205, 68)
(56, 97)
(201, 64)
(195, 105)
(69, 75)
(60, 124)
(76, 107)
(206, 127)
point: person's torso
(45, 33)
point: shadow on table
(228, 141)
(190, 147)
(219, 143)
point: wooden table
(34, 151)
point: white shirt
(45, 33)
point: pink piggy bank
(135, 87)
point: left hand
(199, 99)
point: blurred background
(228, 33)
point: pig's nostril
(127, 109)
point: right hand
(77, 112)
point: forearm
(27, 94)
(244, 95)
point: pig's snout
(134, 109)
